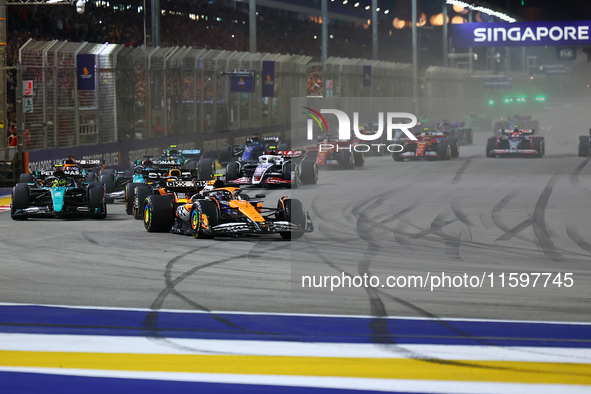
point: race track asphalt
(473, 215)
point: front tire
(491, 144)
(204, 216)
(20, 200)
(158, 214)
(293, 212)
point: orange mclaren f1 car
(226, 211)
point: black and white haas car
(273, 168)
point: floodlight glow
(484, 10)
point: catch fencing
(146, 93)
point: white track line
(107, 308)
(143, 345)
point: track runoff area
(104, 306)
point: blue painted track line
(33, 383)
(301, 328)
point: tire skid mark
(452, 244)
(380, 332)
(89, 239)
(151, 319)
(460, 172)
(496, 215)
(574, 177)
(515, 230)
(460, 214)
(381, 335)
(543, 239)
(574, 235)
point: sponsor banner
(242, 82)
(85, 71)
(120, 154)
(268, 78)
(566, 53)
(560, 33)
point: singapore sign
(561, 33)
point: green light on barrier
(540, 98)
(491, 102)
(508, 100)
(521, 99)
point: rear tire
(91, 177)
(191, 165)
(158, 214)
(206, 168)
(109, 180)
(455, 148)
(294, 213)
(346, 160)
(283, 146)
(108, 171)
(287, 169)
(210, 210)
(20, 200)
(499, 126)
(583, 146)
(469, 136)
(26, 178)
(309, 172)
(232, 171)
(141, 193)
(225, 154)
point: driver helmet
(56, 182)
(516, 130)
